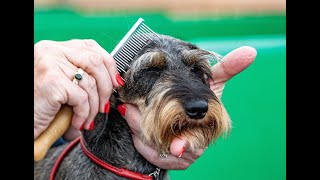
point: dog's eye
(153, 69)
(205, 76)
(195, 69)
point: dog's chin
(198, 134)
(160, 126)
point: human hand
(55, 64)
(181, 157)
(233, 63)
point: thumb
(234, 62)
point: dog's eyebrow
(195, 56)
(192, 59)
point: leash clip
(156, 173)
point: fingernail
(119, 79)
(181, 153)
(122, 110)
(91, 125)
(107, 107)
(81, 127)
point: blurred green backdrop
(255, 99)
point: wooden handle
(56, 129)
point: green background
(255, 99)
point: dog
(169, 82)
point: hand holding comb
(136, 38)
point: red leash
(60, 158)
(119, 171)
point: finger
(108, 60)
(78, 98)
(217, 87)
(93, 64)
(234, 62)
(88, 84)
(189, 157)
(170, 162)
(178, 146)
(132, 115)
(71, 134)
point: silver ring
(78, 76)
(163, 155)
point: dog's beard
(164, 119)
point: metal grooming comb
(135, 39)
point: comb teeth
(129, 46)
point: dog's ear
(147, 61)
(157, 60)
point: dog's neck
(111, 141)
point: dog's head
(169, 81)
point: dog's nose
(196, 108)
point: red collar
(119, 171)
